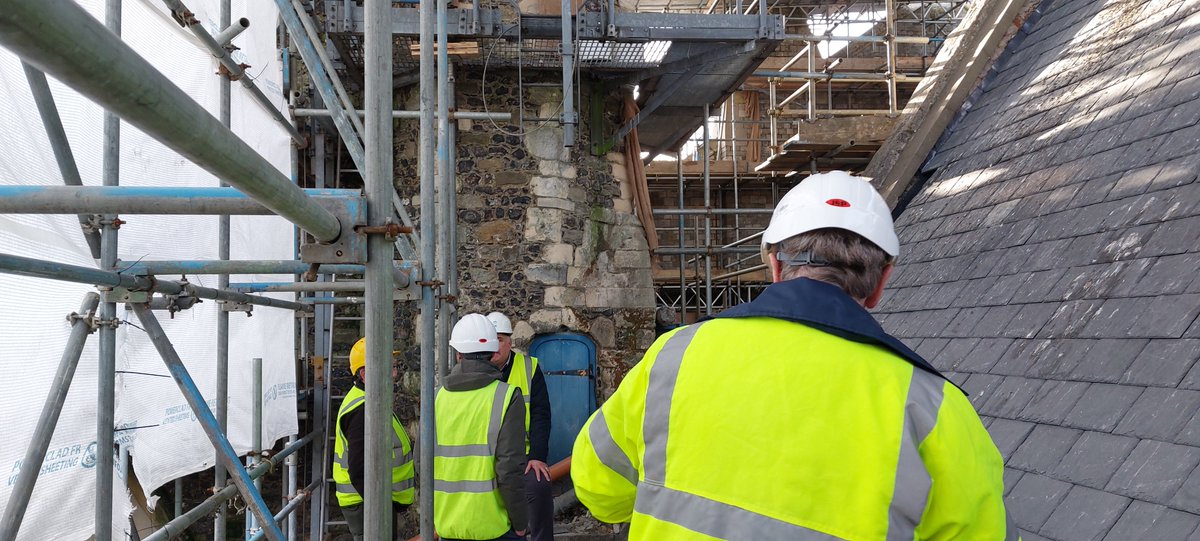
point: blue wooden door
(568, 361)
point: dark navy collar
(827, 308)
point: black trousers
(540, 497)
(354, 519)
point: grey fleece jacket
(510, 447)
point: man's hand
(539, 469)
(521, 533)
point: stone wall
(546, 233)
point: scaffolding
(348, 232)
(831, 49)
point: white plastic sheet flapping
(153, 418)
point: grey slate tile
(1154, 471)
(1038, 286)
(981, 386)
(1013, 394)
(1164, 363)
(1008, 434)
(1011, 477)
(1160, 413)
(1190, 433)
(1094, 459)
(1020, 357)
(1174, 237)
(1108, 360)
(995, 321)
(1053, 401)
(955, 352)
(1030, 320)
(1070, 318)
(1061, 357)
(985, 354)
(973, 291)
(1034, 498)
(930, 347)
(1169, 275)
(1086, 513)
(964, 321)
(1188, 496)
(1167, 316)
(1102, 406)
(1143, 520)
(1134, 182)
(1116, 317)
(1044, 448)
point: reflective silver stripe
(497, 417)
(464, 486)
(346, 489)
(353, 404)
(717, 519)
(528, 361)
(607, 450)
(406, 458)
(911, 489)
(455, 451)
(342, 461)
(401, 486)
(658, 402)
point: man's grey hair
(842, 258)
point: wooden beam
(664, 168)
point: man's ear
(776, 268)
(873, 299)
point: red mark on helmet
(838, 203)
(483, 340)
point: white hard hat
(833, 200)
(474, 333)
(503, 325)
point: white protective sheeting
(152, 415)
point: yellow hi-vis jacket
(403, 485)
(521, 377)
(466, 499)
(758, 426)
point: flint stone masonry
(1049, 263)
(546, 233)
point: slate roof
(1050, 266)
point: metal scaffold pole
(65, 41)
(682, 265)
(208, 421)
(57, 136)
(707, 220)
(428, 235)
(18, 500)
(444, 183)
(377, 139)
(107, 373)
(219, 474)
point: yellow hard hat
(358, 355)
